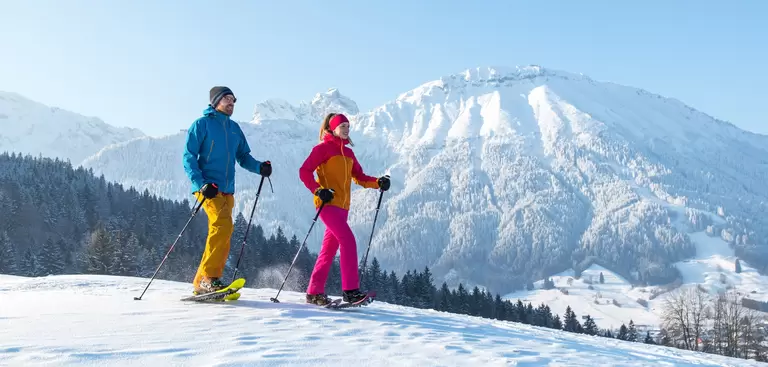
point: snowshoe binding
(354, 296)
(318, 299)
(214, 290)
(208, 285)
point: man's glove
(209, 190)
(325, 195)
(384, 182)
(266, 168)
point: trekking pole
(370, 240)
(247, 229)
(197, 209)
(274, 299)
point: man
(214, 143)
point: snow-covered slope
(30, 127)
(610, 304)
(504, 175)
(89, 320)
(616, 301)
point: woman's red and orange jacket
(336, 167)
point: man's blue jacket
(214, 143)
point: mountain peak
(333, 101)
(30, 127)
(504, 73)
(274, 109)
(306, 112)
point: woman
(336, 166)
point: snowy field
(85, 320)
(598, 302)
(712, 269)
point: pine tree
(406, 290)
(556, 323)
(475, 305)
(602, 278)
(394, 287)
(126, 263)
(631, 332)
(521, 315)
(51, 258)
(236, 242)
(426, 291)
(30, 266)
(571, 322)
(444, 298)
(590, 327)
(500, 310)
(489, 306)
(738, 266)
(542, 316)
(648, 339)
(304, 263)
(462, 301)
(623, 331)
(100, 253)
(529, 313)
(372, 273)
(510, 310)
(7, 255)
(284, 254)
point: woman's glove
(325, 195)
(383, 182)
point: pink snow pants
(337, 234)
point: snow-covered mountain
(94, 321)
(506, 175)
(30, 127)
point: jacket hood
(212, 112)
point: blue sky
(150, 64)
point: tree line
(724, 323)
(58, 220)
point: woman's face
(342, 130)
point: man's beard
(228, 110)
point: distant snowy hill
(92, 320)
(30, 127)
(506, 175)
(615, 301)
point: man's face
(227, 105)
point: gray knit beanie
(217, 93)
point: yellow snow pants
(220, 228)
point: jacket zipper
(346, 179)
(226, 143)
(208, 158)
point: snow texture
(32, 128)
(92, 320)
(502, 175)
